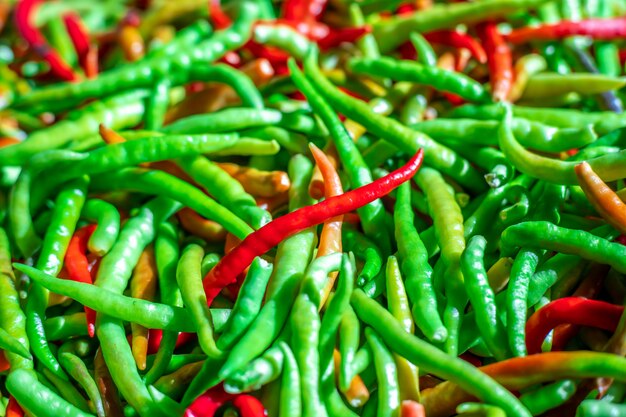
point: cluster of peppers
(312, 208)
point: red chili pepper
(457, 39)
(156, 335)
(405, 9)
(231, 58)
(303, 10)
(249, 406)
(336, 37)
(219, 19)
(131, 18)
(605, 29)
(590, 287)
(352, 94)
(268, 236)
(4, 363)
(77, 266)
(499, 59)
(208, 403)
(273, 55)
(78, 34)
(470, 358)
(24, 16)
(13, 408)
(574, 310)
(621, 239)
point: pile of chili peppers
(312, 208)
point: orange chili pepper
(5, 8)
(8, 141)
(602, 198)
(91, 62)
(330, 238)
(197, 225)
(131, 43)
(256, 182)
(110, 136)
(272, 204)
(143, 285)
(357, 394)
(412, 409)
(216, 96)
(316, 186)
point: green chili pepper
(290, 391)
(64, 327)
(531, 134)
(189, 278)
(159, 182)
(387, 375)
(597, 408)
(349, 338)
(365, 249)
(602, 122)
(367, 44)
(305, 323)
(257, 373)
(248, 303)
(392, 32)
(167, 253)
(482, 297)
(145, 313)
(69, 204)
(448, 222)
(484, 410)
(283, 37)
(547, 85)
(106, 216)
(119, 112)
(148, 149)
(417, 270)
(548, 397)
(609, 167)
(36, 398)
(78, 370)
(522, 272)
(425, 53)
(243, 118)
(225, 189)
(422, 74)
(12, 318)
